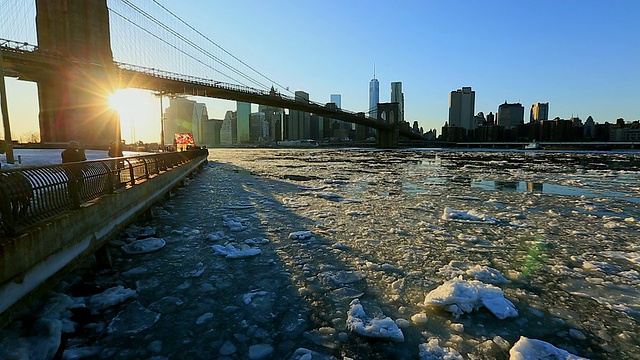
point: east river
(331, 253)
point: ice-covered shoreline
(248, 263)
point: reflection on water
(554, 189)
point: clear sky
(583, 57)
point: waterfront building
(184, 115)
(229, 129)
(510, 115)
(462, 104)
(273, 116)
(589, 129)
(298, 124)
(337, 99)
(374, 96)
(211, 132)
(398, 96)
(539, 112)
(200, 115)
(243, 122)
(259, 128)
(491, 119)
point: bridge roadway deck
(39, 255)
(29, 64)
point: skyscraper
(398, 96)
(297, 125)
(539, 112)
(510, 115)
(462, 103)
(374, 95)
(337, 99)
(243, 121)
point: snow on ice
(383, 328)
(532, 349)
(460, 296)
(231, 252)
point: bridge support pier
(389, 139)
(74, 97)
(388, 113)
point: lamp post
(161, 122)
(5, 114)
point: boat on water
(302, 143)
(533, 146)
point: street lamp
(5, 114)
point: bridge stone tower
(74, 97)
(389, 113)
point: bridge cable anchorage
(221, 48)
(190, 43)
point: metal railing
(32, 194)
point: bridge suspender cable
(220, 47)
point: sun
(139, 112)
(122, 101)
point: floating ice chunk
(341, 277)
(357, 213)
(204, 318)
(133, 319)
(433, 351)
(470, 216)
(294, 203)
(234, 223)
(260, 351)
(306, 354)
(382, 328)
(200, 268)
(632, 256)
(420, 318)
(248, 298)
(330, 196)
(145, 246)
(256, 241)
(231, 252)
(335, 181)
(219, 235)
(493, 299)
(487, 274)
(110, 297)
(300, 235)
(614, 225)
(460, 296)
(532, 349)
(462, 197)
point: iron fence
(31, 194)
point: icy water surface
(263, 253)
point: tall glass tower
(337, 99)
(374, 95)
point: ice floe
(383, 328)
(144, 246)
(467, 216)
(110, 297)
(431, 350)
(231, 252)
(461, 296)
(300, 235)
(532, 349)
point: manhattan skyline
(577, 55)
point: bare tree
(30, 137)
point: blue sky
(580, 56)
